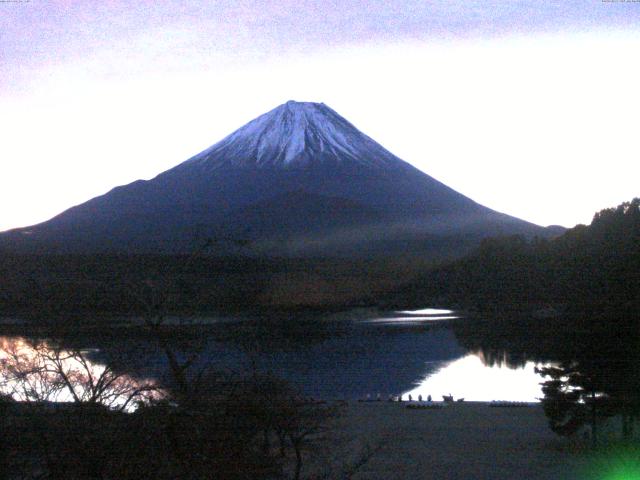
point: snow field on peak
(296, 132)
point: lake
(353, 355)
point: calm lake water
(346, 356)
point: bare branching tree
(154, 298)
(43, 371)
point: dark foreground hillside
(192, 284)
(595, 266)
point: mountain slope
(301, 156)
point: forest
(572, 303)
(594, 267)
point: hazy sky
(529, 107)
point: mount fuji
(299, 180)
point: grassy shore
(469, 440)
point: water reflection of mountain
(324, 358)
(509, 341)
(349, 357)
(514, 340)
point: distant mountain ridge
(298, 180)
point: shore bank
(468, 440)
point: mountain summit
(296, 135)
(298, 180)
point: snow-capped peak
(293, 135)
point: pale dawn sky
(529, 107)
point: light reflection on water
(413, 317)
(411, 352)
(408, 320)
(470, 378)
(427, 311)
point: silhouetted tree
(45, 371)
(598, 377)
(573, 399)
